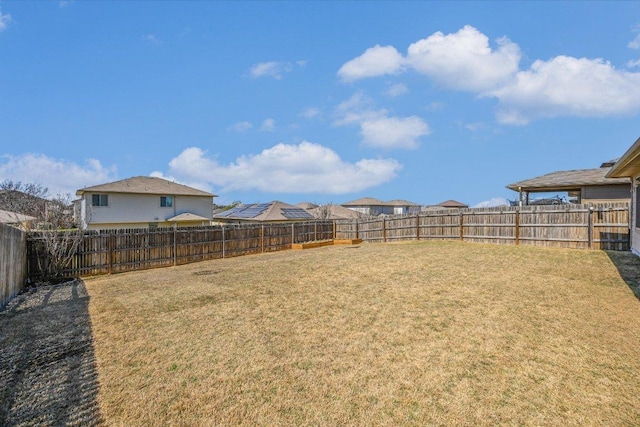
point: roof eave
(628, 165)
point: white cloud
(310, 113)
(377, 128)
(560, 86)
(274, 69)
(396, 90)
(357, 109)
(464, 60)
(5, 20)
(474, 127)
(375, 61)
(269, 125)
(240, 127)
(394, 132)
(567, 86)
(492, 203)
(151, 38)
(284, 168)
(59, 176)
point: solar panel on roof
(247, 212)
(229, 212)
(296, 213)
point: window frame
(166, 201)
(101, 198)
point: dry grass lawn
(388, 335)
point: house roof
(370, 201)
(452, 204)
(273, 211)
(365, 201)
(8, 217)
(186, 217)
(629, 164)
(145, 185)
(567, 180)
(335, 212)
(399, 202)
(306, 205)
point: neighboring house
(24, 203)
(374, 207)
(369, 206)
(448, 204)
(263, 212)
(628, 169)
(142, 202)
(16, 219)
(403, 207)
(583, 186)
(332, 211)
(306, 205)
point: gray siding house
(142, 202)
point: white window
(99, 200)
(166, 201)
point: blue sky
(316, 101)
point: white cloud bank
(466, 61)
(377, 128)
(59, 176)
(283, 168)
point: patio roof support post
(520, 196)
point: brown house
(584, 186)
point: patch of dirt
(47, 365)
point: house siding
(606, 193)
(129, 210)
(635, 231)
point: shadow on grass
(48, 370)
(628, 266)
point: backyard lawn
(438, 333)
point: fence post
(357, 229)
(223, 248)
(293, 233)
(384, 230)
(590, 225)
(262, 237)
(110, 245)
(175, 245)
(417, 226)
(315, 230)
(461, 225)
(335, 231)
(517, 231)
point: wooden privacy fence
(13, 262)
(115, 251)
(604, 226)
(568, 226)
